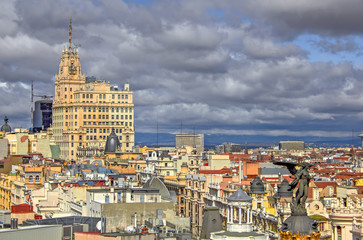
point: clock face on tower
(72, 69)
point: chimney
(14, 223)
(241, 171)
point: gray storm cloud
(215, 65)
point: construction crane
(32, 95)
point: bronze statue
(299, 225)
(301, 181)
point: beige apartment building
(85, 109)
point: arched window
(30, 178)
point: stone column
(248, 215)
(227, 214)
(232, 214)
(239, 215)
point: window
(30, 178)
(65, 89)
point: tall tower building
(85, 110)
(42, 115)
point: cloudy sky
(243, 67)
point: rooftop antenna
(194, 139)
(352, 137)
(157, 131)
(70, 35)
(31, 107)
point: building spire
(70, 35)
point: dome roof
(156, 183)
(239, 196)
(257, 185)
(112, 143)
(284, 189)
(6, 127)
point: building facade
(187, 139)
(42, 115)
(85, 109)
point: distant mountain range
(211, 140)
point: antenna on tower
(157, 131)
(31, 106)
(70, 34)
(157, 134)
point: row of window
(104, 116)
(94, 109)
(100, 96)
(126, 124)
(106, 109)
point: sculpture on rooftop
(301, 182)
(298, 223)
(5, 127)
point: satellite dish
(99, 226)
(130, 229)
